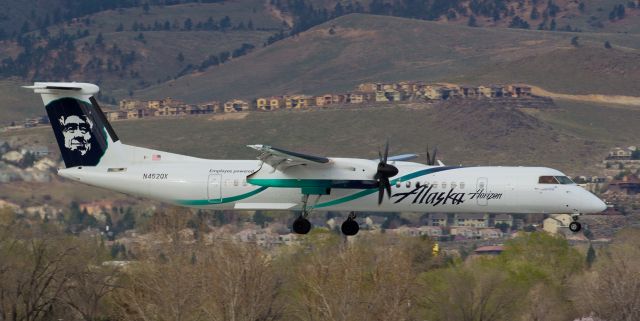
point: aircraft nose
(593, 204)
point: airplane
(285, 180)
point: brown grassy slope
(377, 48)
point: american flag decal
(155, 157)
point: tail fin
(81, 128)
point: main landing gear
(575, 226)
(350, 227)
(301, 225)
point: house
(438, 219)
(356, 98)
(618, 153)
(471, 219)
(236, 105)
(387, 95)
(519, 91)
(464, 232)
(489, 233)
(430, 231)
(327, 99)
(555, 223)
(171, 110)
(432, 92)
(503, 219)
(368, 87)
(38, 151)
(140, 113)
(298, 101)
(628, 184)
(469, 92)
(130, 104)
(210, 107)
(113, 115)
(375, 221)
(269, 103)
(489, 250)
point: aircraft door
(214, 188)
(482, 186)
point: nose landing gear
(575, 226)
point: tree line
(47, 274)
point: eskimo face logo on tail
(80, 133)
(77, 133)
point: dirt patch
(594, 98)
(228, 116)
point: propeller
(384, 172)
(431, 158)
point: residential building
(298, 101)
(555, 223)
(628, 184)
(618, 153)
(489, 233)
(471, 219)
(356, 98)
(489, 250)
(519, 91)
(438, 219)
(236, 105)
(464, 232)
(327, 99)
(469, 92)
(503, 219)
(368, 87)
(387, 95)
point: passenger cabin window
(398, 184)
(408, 184)
(462, 185)
(444, 185)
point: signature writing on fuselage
(425, 195)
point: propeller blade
(380, 194)
(386, 151)
(387, 186)
(433, 159)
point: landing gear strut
(302, 225)
(350, 227)
(575, 226)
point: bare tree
(34, 277)
(370, 279)
(611, 290)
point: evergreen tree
(472, 21)
(535, 14)
(574, 41)
(607, 44)
(591, 255)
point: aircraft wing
(281, 159)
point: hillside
(131, 48)
(357, 48)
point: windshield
(564, 180)
(555, 180)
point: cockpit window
(555, 180)
(564, 180)
(547, 180)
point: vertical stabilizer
(81, 129)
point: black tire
(301, 226)
(575, 227)
(350, 227)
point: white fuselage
(222, 184)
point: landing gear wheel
(301, 225)
(350, 227)
(575, 226)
